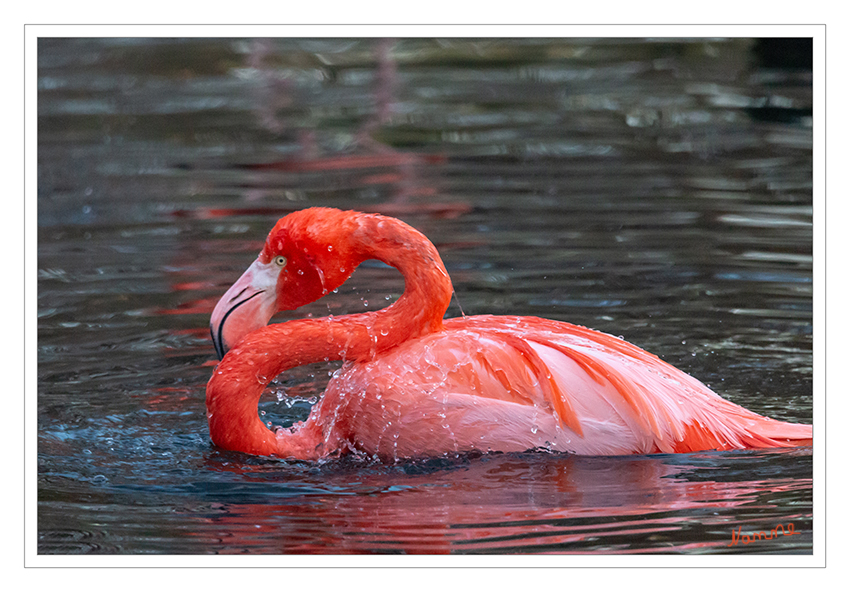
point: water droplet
(534, 429)
(330, 248)
(300, 272)
(365, 303)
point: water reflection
(507, 503)
(529, 503)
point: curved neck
(234, 390)
(427, 287)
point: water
(661, 191)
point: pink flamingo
(414, 384)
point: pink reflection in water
(498, 504)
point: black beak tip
(220, 350)
(216, 332)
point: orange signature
(751, 538)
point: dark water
(658, 190)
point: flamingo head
(305, 257)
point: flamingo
(414, 384)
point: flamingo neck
(427, 287)
(234, 391)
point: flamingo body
(517, 383)
(414, 385)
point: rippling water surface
(658, 190)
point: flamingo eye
(280, 260)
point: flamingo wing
(517, 383)
(591, 376)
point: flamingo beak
(245, 307)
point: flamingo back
(518, 383)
